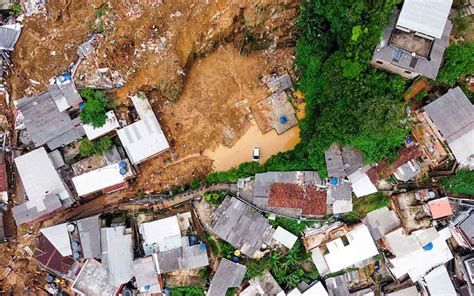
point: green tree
(458, 61)
(86, 148)
(95, 107)
(461, 183)
(103, 145)
(187, 291)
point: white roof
(39, 177)
(111, 124)
(284, 237)
(463, 148)
(144, 138)
(315, 290)
(417, 262)
(58, 236)
(99, 179)
(319, 261)
(410, 291)
(164, 234)
(439, 283)
(361, 247)
(425, 16)
(361, 184)
(117, 254)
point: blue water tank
(74, 244)
(334, 181)
(123, 171)
(428, 246)
(82, 105)
(76, 255)
(202, 246)
(67, 76)
(409, 140)
(283, 119)
(146, 287)
(235, 259)
(123, 164)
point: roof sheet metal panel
(284, 237)
(165, 233)
(410, 291)
(439, 282)
(58, 236)
(425, 16)
(228, 275)
(9, 35)
(381, 222)
(111, 124)
(117, 254)
(99, 179)
(89, 234)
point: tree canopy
(458, 61)
(95, 107)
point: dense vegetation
(366, 204)
(215, 197)
(293, 226)
(458, 61)
(187, 291)
(95, 107)
(461, 183)
(99, 146)
(287, 269)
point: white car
(256, 154)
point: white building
(161, 235)
(438, 282)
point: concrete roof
(144, 138)
(98, 179)
(228, 275)
(58, 236)
(439, 283)
(341, 197)
(361, 183)
(64, 95)
(111, 124)
(425, 16)
(453, 115)
(184, 258)
(117, 254)
(241, 226)
(334, 163)
(360, 247)
(40, 180)
(9, 35)
(89, 234)
(92, 280)
(381, 222)
(145, 274)
(284, 237)
(410, 291)
(162, 235)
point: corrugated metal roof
(439, 283)
(117, 254)
(110, 125)
(284, 237)
(228, 275)
(425, 16)
(89, 234)
(98, 179)
(9, 35)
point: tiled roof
(50, 258)
(310, 199)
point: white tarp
(58, 236)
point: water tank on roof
(409, 140)
(82, 105)
(428, 246)
(74, 245)
(123, 164)
(70, 227)
(202, 246)
(334, 181)
(127, 292)
(76, 255)
(67, 76)
(283, 119)
(123, 171)
(147, 287)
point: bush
(95, 107)
(86, 148)
(366, 204)
(99, 147)
(16, 9)
(215, 197)
(458, 61)
(293, 226)
(461, 183)
(187, 291)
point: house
(93, 280)
(89, 236)
(381, 222)
(263, 285)
(183, 258)
(9, 35)
(361, 184)
(352, 248)
(52, 260)
(45, 124)
(242, 226)
(228, 275)
(146, 275)
(416, 254)
(111, 124)
(438, 282)
(117, 254)
(451, 118)
(45, 191)
(144, 138)
(110, 178)
(415, 39)
(161, 235)
(284, 237)
(316, 288)
(467, 268)
(440, 208)
(293, 194)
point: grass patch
(293, 226)
(215, 197)
(187, 291)
(364, 205)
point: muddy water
(270, 143)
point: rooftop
(228, 275)
(9, 35)
(453, 115)
(440, 208)
(146, 275)
(92, 280)
(111, 124)
(58, 236)
(64, 95)
(467, 228)
(410, 291)
(51, 259)
(426, 17)
(284, 237)
(241, 226)
(262, 285)
(275, 112)
(411, 42)
(183, 258)
(381, 222)
(310, 199)
(438, 282)
(42, 184)
(117, 254)
(162, 235)
(144, 138)
(361, 184)
(89, 234)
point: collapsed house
(415, 39)
(263, 285)
(45, 191)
